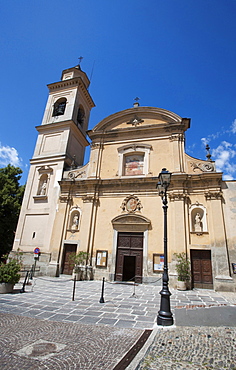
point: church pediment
(137, 117)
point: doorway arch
(130, 253)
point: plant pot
(6, 288)
(88, 273)
(181, 285)
(77, 275)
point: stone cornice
(72, 82)
(61, 126)
(139, 132)
(216, 195)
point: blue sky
(178, 55)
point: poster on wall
(101, 258)
(158, 262)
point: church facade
(110, 207)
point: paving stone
(93, 313)
(144, 318)
(45, 315)
(109, 315)
(18, 310)
(107, 321)
(74, 318)
(32, 313)
(137, 312)
(125, 323)
(59, 317)
(89, 320)
(49, 308)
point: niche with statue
(74, 219)
(198, 219)
(44, 174)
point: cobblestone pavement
(44, 329)
(191, 348)
(27, 343)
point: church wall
(160, 153)
(76, 149)
(37, 215)
(53, 140)
(229, 208)
(151, 209)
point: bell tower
(68, 109)
(61, 140)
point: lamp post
(164, 317)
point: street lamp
(164, 317)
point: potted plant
(9, 273)
(79, 260)
(183, 270)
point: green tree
(11, 195)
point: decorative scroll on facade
(204, 167)
(75, 175)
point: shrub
(9, 272)
(182, 266)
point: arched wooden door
(129, 257)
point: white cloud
(205, 140)
(222, 132)
(9, 155)
(224, 156)
(233, 127)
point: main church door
(129, 257)
(201, 269)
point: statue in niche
(198, 223)
(43, 188)
(75, 222)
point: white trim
(145, 253)
(114, 250)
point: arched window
(59, 107)
(80, 116)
